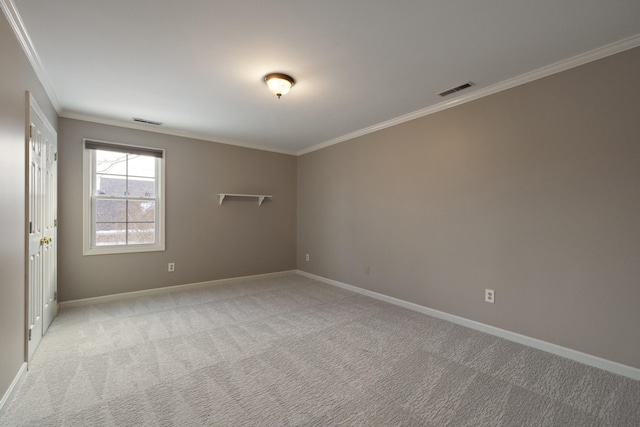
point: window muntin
(124, 205)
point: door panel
(49, 230)
(34, 276)
(42, 225)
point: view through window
(125, 207)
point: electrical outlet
(489, 296)
(306, 257)
(172, 266)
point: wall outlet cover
(489, 296)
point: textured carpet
(292, 351)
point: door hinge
(55, 296)
(30, 227)
(30, 131)
(55, 157)
(55, 222)
(29, 334)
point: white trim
(88, 175)
(13, 16)
(14, 383)
(20, 31)
(23, 37)
(170, 131)
(587, 359)
(566, 64)
(45, 121)
(167, 289)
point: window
(123, 198)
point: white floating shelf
(260, 197)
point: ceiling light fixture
(279, 84)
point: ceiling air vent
(456, 89)
(146, 122)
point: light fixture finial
(279, 84)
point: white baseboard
(156, 291)
(587, 359)
(14, 383)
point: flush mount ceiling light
(279, 84)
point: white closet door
(42, 225)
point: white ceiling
(197, 65)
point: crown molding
(170, 131)
(13, 16)
(566, 64)
(20, 31)
(9, 9)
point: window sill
(112, 250)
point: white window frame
(88, 246)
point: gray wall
(205, 240)
(533, 192)
(16, 77)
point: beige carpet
(292, 351)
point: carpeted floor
(292, 351)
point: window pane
(142, 187)
(110, 185)
(142, 166)
(111, 211)
(142, 211)
(110, 234)
(111, 162)
(142, 233)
